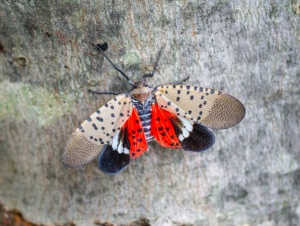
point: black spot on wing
(99, 119)
(111, 162)
(95, 127)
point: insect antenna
(102, 47)
(102, 93)
(149, 75)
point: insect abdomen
(145, 114)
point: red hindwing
(136, 135)
(162, 128)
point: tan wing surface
(88, 140)
(209, 107)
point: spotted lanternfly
(175, 115)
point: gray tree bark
(249, 49)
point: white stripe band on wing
(115, 141)
(186, 124)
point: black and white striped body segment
(145, 114)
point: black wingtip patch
(112, 162)
(200, 139)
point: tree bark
(249, 49)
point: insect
(175, 115)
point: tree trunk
(249, 49)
